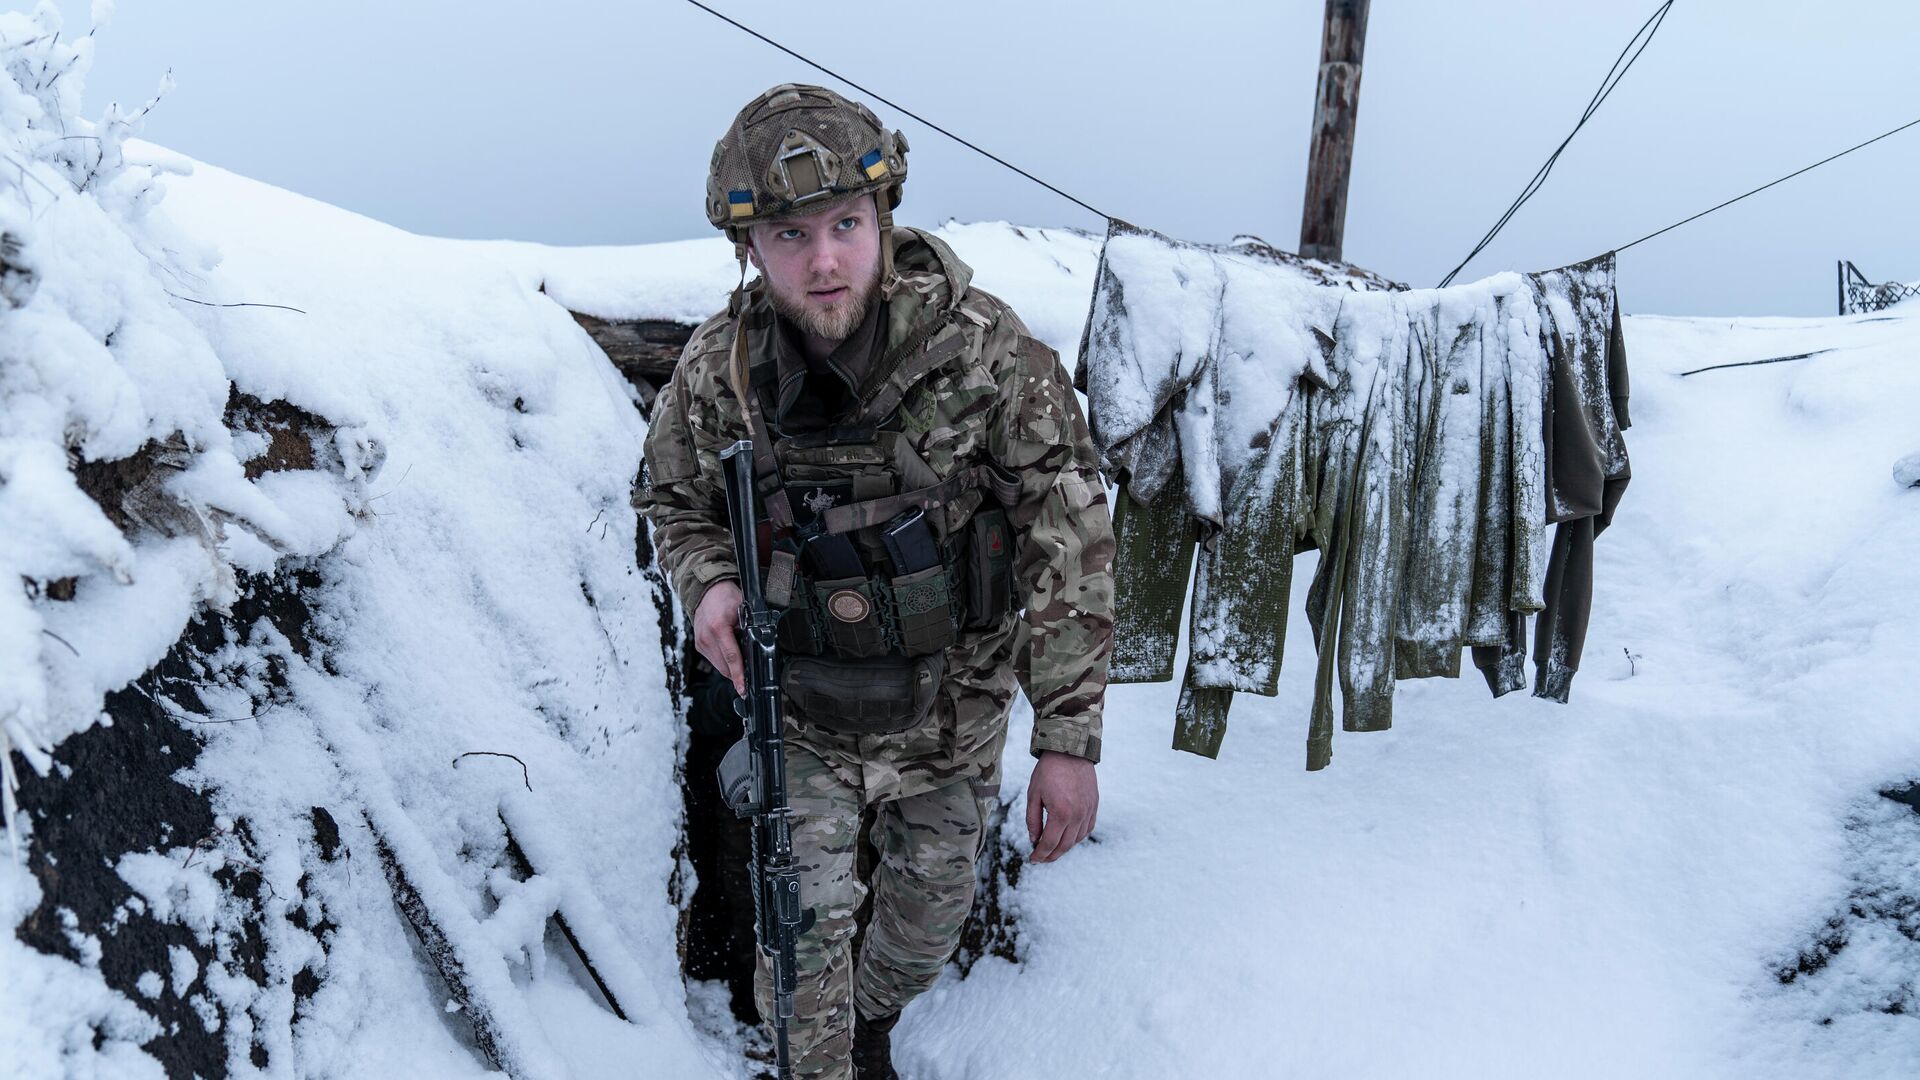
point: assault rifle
(753, 775)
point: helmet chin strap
(736, 303)
(888, 282)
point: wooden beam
(1323, 220)
(644, 350)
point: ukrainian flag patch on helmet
(874, 165)
(739, 204)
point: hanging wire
(1621, 65)
(1083, 204)
(1763, 187)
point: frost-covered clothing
(921, 885)
(1425, 480)
(966, 384)
(1586, 470)
(1249, 408)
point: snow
(1490, 889)
(1906, 471)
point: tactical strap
(861, 515)
(766, 467)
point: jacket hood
(922, 252)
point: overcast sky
(571, 122)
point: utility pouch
(989, 569)
(925, 606)
(850, 617)
(863, 697)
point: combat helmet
(799, 149)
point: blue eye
(847, 223)
(788, 234)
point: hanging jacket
(1585, 465)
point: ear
(753, 253)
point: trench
(115, 792)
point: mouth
(828, 295)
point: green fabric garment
(1423, 448)
(1153, 557)
(1586, 468)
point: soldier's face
(823, 269)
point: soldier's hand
(713, 631)
(1063, 798)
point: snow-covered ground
(1493, 889)
(1514, 888)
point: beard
(833, 323)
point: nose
(822, 260)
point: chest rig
(876, 561)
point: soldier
(937, 533)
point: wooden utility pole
(1323, 221)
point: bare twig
(524, 777)
(191, 719)
(209, 303)
(395, 487)
(1756, 363)
(61, 640)
(195, 850)
(71, 60)
(167, 706)
(154, 100)
(25, 175)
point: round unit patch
(848, 606)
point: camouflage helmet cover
(797, 149)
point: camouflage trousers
(922, 886)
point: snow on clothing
(1404, 434)
(1586, 468)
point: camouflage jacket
(971, 386)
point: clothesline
(1640, 39)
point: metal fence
(1857, 294)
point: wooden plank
(488, 1032)
(643, 350)
(524, 867)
